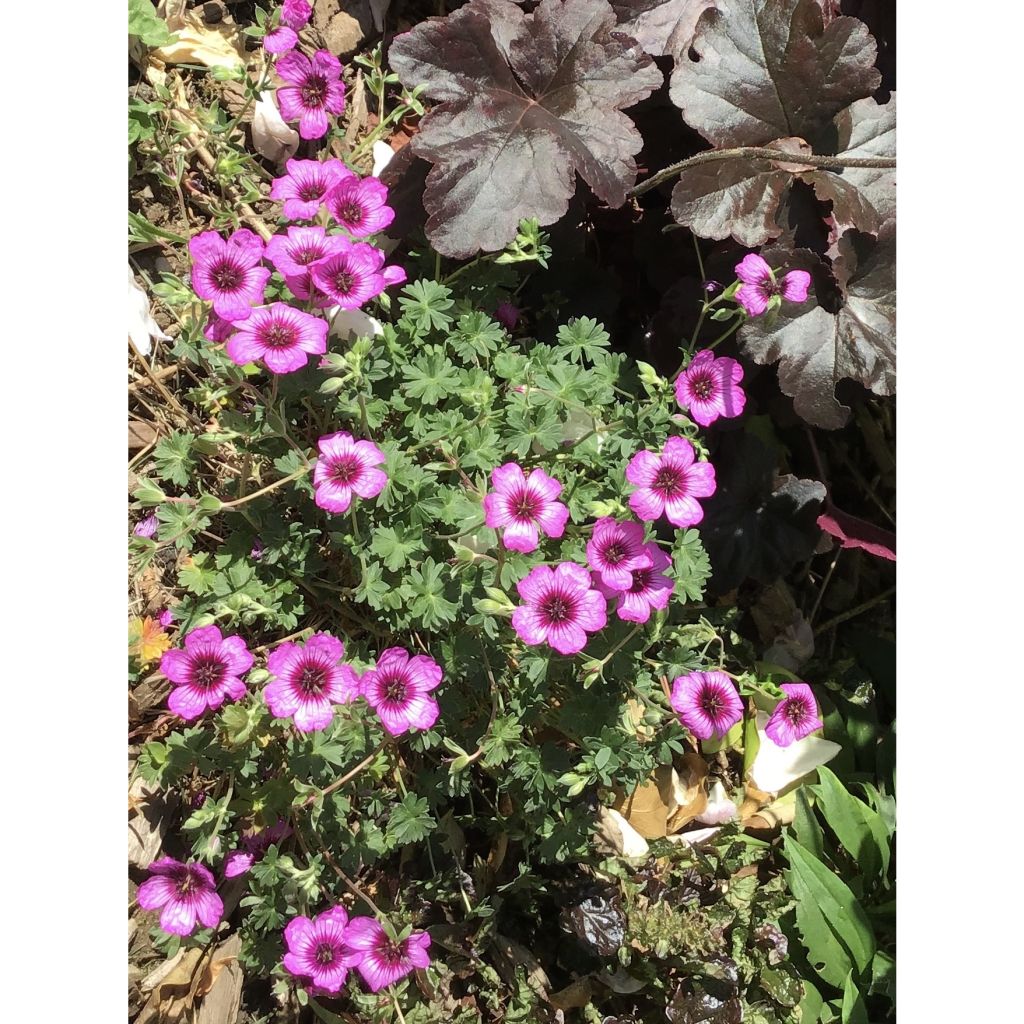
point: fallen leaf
(271, 137)
(666, 802)
(221, 985)
(575, 995)
(142, 328)
(618, 835)
(147, 640)
(140, 433)
(720, 808)
(858, 533)
(219, 45)
(171, 988)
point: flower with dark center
(398, 688)
(520, 505)
(360, 206)
(316, 950)
(670, 483)
(648, 589)
(707, 703)
(346, 467)
(304, 188)
(184, 893)
(795, 716)
(380, 960)
(760, 285)
(281, 336)
(709, 388)
(559, 607)
(308, 680)
(254, 847)
(353, 273)
(228, 272)
(313, 90)
(207, 672)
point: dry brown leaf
(140, 434)
(174, 991)
(690, 793)
(615, 835)
(574, 995)
(213, 46)
(647, 807)
(221, 985)
(636, 712)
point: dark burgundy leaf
(816, 349)
(858, 533)
(664, 28)
(770, 69)
(757, 524)
(693, 1005)
(772, 939)
(525, 102)
(599, 922)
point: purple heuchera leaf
(664, 28)
(525, 102)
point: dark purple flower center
(312, 679)
(279, 335)
(526, 505)
(207, 671)
(614, 553)
(324, 954)
(343, 281)
(314, 91)
(641, 580)
(311, 191)
(188, 884)
(558, 608)
(392, 953)
(394, 689)
(351, 212)
(669, 481)
(344, 471)
(711, 703)
(703, 387)
(226, 276)
(796, 711)
(306, 256)
(770, 286)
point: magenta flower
(296, 13)
(314, 90)
(670, 483)
(206, 672)
(710, 388)
(353, 275)
(520, 504)
(794, 717)
(398, 689)
(228, 273)
(317, 950)
(379, 960)
(294, 252)
(760, 285)
(360, 206)
(308, 680)
(217, 329)
(166, 618)
(281, 336)
(650, 588)
(304, 187)
(254, 847)
(507, 315)
(281, 40)
(614, 550)
(707, 703)
(559, 607)
(346, 466)
(147, 527)
(182, 893)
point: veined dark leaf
(526, 102)
(664, 28)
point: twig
(761, 153)
(158, 384)
(348, 776)
(853, 612)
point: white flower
(775, 768)
(141, 325)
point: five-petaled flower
(228, 272)
(304, 187)
(283, 337)
(360, 206)
(379, 959)
(308, 680)
(670, 483)
(206, 672)
(317, 949)
(314, 90)
(761, 288)
(254, 846)
(559, 607)
(347, 467)
(353, 274)
(650, 588)
(794, 717)
(710, 388)
(519, 504)
(294, 15)
(398, 689)
(614, 550)
(183, 893)
(147, 527)
(707, 703)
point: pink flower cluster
(307, 681)
(321, 950)
(295, 14)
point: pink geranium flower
(283, 337)
(254, 847)
(649, 588)
(166, 618)
(360, 206)
(614, 550)
(559, 607)
(281, 40)
(314, 90)
(217, 329)
(147, 527)
(347, 466)
(304, 187)
(760, 285)
(707, 703)
(519, 505)
(317, 949)
(228, 273)
(794, 717)
(353, 275)
(379, 960)
(507, 315)
(710, 388)
(670, 483)
(206, 672)
(308, 680)
(294, 252)
(183, 893)
(398, 689)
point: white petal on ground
(352, 323)
(271, 137)
(720, 808)
(141, 325)
(699, 835)
(382, 156)
(776, 767)
(619, 834)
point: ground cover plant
(512, 511)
